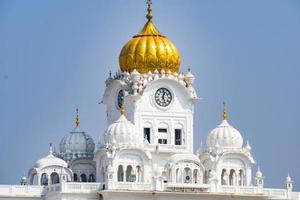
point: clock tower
(156, 126)
(159, 100)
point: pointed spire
(224, 114)
(77, 122)
(50, 148)
(149, 9)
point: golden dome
(149, 50)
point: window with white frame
(162, 136)
(147, 132)
(178, 137)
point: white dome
(77, 144)
(122, 132)
(258, 173)
(50, 160)
(224, 136)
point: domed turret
(149, 50)
(49, 170)
(225, 136)
(77, 144)
(122, 132)
(50, 160)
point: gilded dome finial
(77, 118)
(224, 114)
(122, 108)
(149, 9)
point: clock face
(163, 97)
(120, 98)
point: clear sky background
(55, 56)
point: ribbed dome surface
(225, 136)
(148, 51)
(122, 132)
(77, 144)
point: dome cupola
(50, 160)
(122, 132)
(77, 144)
(149, 50)
(49, 170)
(224, 136)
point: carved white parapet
(21, 190)
(137, 82)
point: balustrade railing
(132, 186)
(21, 190)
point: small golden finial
(224, 114)
(149, 9)
(77, 118)
(122, 108)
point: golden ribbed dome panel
(148, 51)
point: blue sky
(55, 56)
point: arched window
(129, 173)
(138, 174)
(54, 178)
(44, 179)
(75, 177)
(170, 175)
(224, 177)
(103, 174)
(148, 132)
(241, 177)
(83, 178)
(163, 134)
(206, 176)
(187, 175)
(34, 179)
(232, 177)
(92, 178)
(120, 173)
(178, 176)
(195, 176)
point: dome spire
(224, 114)
(149, 9)
(50, 148)
(77, 122)
(122, 108)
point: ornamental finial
(224, 114)
(149, 9)
(50, 148)
(77, 118)
(122, 108)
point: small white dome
(288, 179)
(224, 136)
(77, 144)
(122, 132)
(258, 173)
(50, 160)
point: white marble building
(147, 150)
